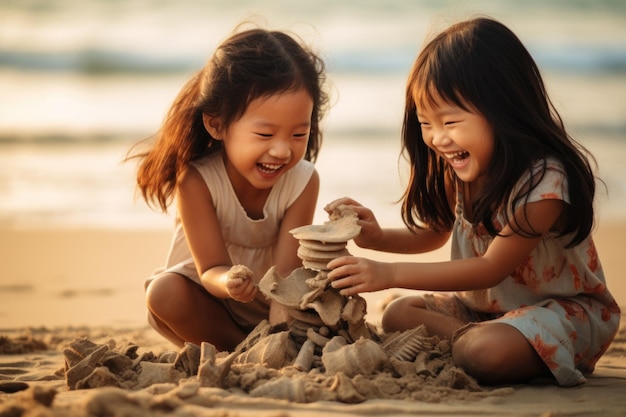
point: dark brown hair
(248, 65)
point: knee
(163, 292)
(484, 358)
(398, 311)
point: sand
(62, 284)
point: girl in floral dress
(494, 170)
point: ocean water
(82, 80)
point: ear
(212, 125)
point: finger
(340, 201)
(349, 286)
(347, 292)
(353, 290)
(244, 297)
(250, 293)
(340, 283)
(233, 283)
(333, 204)
(340, 261)
(363, 213)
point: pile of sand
(120, 375)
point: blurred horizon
(82, 80)
(101, 68)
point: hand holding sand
(240, 284)
(371, 232)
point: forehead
(427, 96)
(287, 108)
(430, 99)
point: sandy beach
(83, 80)
(59, 284)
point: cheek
(487, 153)
(490, 144)
(298, 149)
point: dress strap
(458, 209)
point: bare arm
(300, 213)
(203, 232)
(400, 240)
(504, 255)
(403, 240)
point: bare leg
(164, 330)
(181, 310)
(493, 353)
(496, 353)
(410, 311)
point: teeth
(270, 167)
(454, 155)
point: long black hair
(482, 64)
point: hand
(352, 275)
(240, 284)
(371, 233)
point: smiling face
(267, 140)
(463, 138)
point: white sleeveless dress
(249, 241)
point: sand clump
(327, 352)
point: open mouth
(269, 168)
(457, 157)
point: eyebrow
(262, 123)
(446, 112)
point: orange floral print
(577, 281)
(609, 311)
(517, 313)
(557, 291)
(549, 273)
(572, 309)
(593, 257)
(525, 274)
(546, 352)
(595, 289)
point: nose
(439, 137)
(280, 148)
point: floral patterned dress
(557, 298)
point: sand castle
(328, 331)
(319, 313)
(327, 351)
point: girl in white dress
(236, 154)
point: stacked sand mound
(327, 351)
